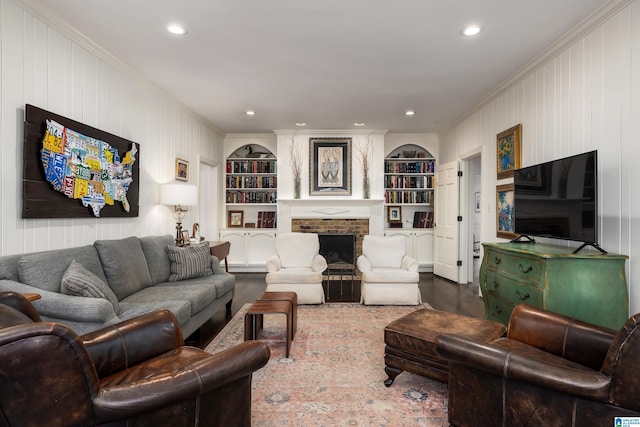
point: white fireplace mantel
(331, 208)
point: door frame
(465, 238)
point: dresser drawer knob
(495, 284)
(498, 309)
(519, 295)
(523, 270)
(497, 260)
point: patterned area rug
(334, 375)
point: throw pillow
(79, 281)
(189, 262)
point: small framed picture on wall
(182, 170)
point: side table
(220, 250)
(253, 320)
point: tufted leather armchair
(135, 373)
(549, 370)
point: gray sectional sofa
(140, 276)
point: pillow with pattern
(189, 262)
(79, 281)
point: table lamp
(180, 196)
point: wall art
(508, 154)
(330, 168)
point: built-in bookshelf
(251, 186)
(251, 181)
(409, 182)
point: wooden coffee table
(253, 320)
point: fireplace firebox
(339, 249)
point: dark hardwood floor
(441, 294)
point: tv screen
(558, 199)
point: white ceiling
(328, 63)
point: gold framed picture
(235, 219)
(508, 151)
(182, 170)
(505, 209)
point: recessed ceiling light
(358, 124)
(176, 29)
(409, 113)
(471, 30)
(250, 113)
(301, 124)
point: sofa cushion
(44, 270)
(180, 308)
(124, 264)
(158, 262)
(189, 262)
(198, 292)
(79, 281)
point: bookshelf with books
(409, 182)
(251, 181)
(251, 192)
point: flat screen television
(558, 199)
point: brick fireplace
(357, 226)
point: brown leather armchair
(136, 373)
(549, 370)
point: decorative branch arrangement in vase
(364, 152)
(295, 160)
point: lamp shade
(178, 194)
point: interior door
(446, 228)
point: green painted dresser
(588, 285)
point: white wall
(585, 96)
(43, 66)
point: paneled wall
(584, 96)
(43, 66)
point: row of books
(252, 182)
(251, 166)
(252, 196)
(391, 166)
(266, 219)
(407, 181)
(423, 220)
(394, 196)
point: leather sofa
(138, 273)
(136, 373)
(549, 370)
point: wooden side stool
(253, 320)
(290, 296)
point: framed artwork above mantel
(330, 166)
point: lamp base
(179, 239)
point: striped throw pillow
(79, 281)
(189, 262)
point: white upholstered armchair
(389, 276)
(297, 266)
